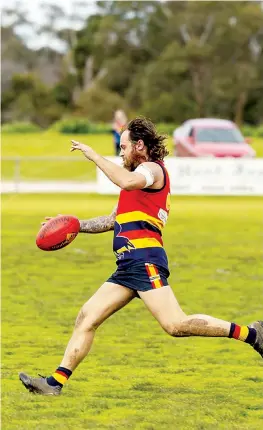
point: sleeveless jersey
(140, 219)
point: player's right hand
(47, 218)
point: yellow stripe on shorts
(154, 272)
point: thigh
(163, 305)
(108, 299)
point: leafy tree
(168, 60)
(30, 100)
(98, 104)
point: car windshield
(216, 134)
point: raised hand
(85, 149)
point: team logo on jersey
(122, 244)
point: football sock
(60, 376)
(243, 333)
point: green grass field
(51, 144)
(136, 376)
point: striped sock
(243, 333)
(60, 376)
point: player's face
(129, 153)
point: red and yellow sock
(60, 376)
(243, 333)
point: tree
(239, 44)
(30, 100)
(168, 60)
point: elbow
(127, 185)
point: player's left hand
(85, 149)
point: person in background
(119, 122)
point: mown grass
(52, 144)
(136, 376)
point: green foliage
(99, 104)
(167, 60)
(30, 100)
(166, 128)
(77, 125)
(20, 127)
(188, 59)
(260, 131)
(136, 376)
(251, 131)
(248, 130)
(63, 91)
(86, 46)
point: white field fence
(189, 176)
(47, 174)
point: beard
(134, 160)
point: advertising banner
(204, 176)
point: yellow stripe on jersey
(139, 216)
(148, 242)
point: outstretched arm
(117, 174)
(99, 224)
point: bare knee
(186, 326)
(172, 328)
(179, 327)
(86, 320)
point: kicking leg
(106, 301)
(165, 308)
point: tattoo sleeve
(99, 224)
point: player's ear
(140, 145)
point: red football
(58, 232)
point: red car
(210, 137)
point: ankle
(60, 377)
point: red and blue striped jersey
(140, 219)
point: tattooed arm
(99, 224)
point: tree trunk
(239, 110)
(198, 93)
(88, 73)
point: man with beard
(142, 266)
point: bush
(166, 128)
(29, 100)
(248, 130)
(20, 127)
(252, 131)
(99, 104)
(80, 126)
(259, 131)
(100, 128)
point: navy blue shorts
(140, 277)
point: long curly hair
(143, 128)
